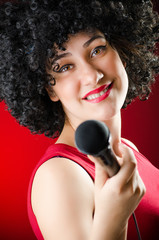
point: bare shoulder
(130, 144)
(62, 199)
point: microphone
(92, 138)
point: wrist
(109, 229)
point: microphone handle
(109, 160)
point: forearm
(116, 198)
(110, 230)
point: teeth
(93, 96)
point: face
(91, 81)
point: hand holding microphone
(92, 138)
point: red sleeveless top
(147, 212)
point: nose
(100, 75)
(90, 75)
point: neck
(114, 125)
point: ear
(52, 95)
(124, 64)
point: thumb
(101, 175)
(117, 148)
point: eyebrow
(57, 57)
(85, 45)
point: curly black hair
(29, 30)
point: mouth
(99, 94)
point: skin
(67, 204)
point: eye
(66, 68)
(62, 69)
(98, 50)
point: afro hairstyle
(29, 30)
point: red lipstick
(98, 90)
(106, 91)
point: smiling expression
(91, 81)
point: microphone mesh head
(91, 137)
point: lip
(98, 90)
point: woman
(65, 62)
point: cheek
(67, 89)
(115, 69)
(118, 68)
(110, 64)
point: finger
(137, 184)
(128, 167)
(117, 149)
(135, 189)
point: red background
(20, 151)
